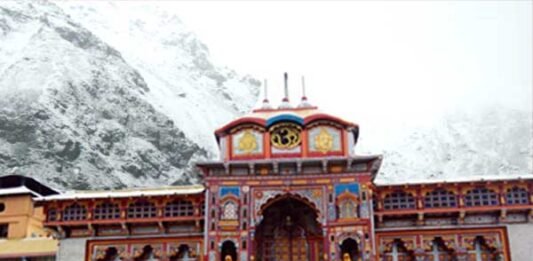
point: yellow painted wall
(23, 218)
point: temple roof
(18, 184)
(267, 117)
(125, 193)
(461, 179)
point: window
(481, 197)
(440, 198)
(141, 209)
(4, 228)
(51, 215)
(399, 200)
(2, 207)
(74, 212)
(107, 210)
(230, 210)
(516, 196)
(179, 208)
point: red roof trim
(262, 122)
(235, 123)
(322, 116)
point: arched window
(107, 210)
(481, 251)
(347, 209)
(440, 198)
(439, 251)
(142, 209)
(399, 200)
(51, 215)
(230, 210)
(74, 212)
(399, 252)
(481, 197)
(516, 196)
(179, 208)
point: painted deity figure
(346, 257)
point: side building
(165, 223)
(22, 235)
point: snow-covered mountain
(490, 141)
(197, 95)
(118, 94)
(77, 112)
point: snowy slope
(74, 113)
(117, 94)
(491, 141)
(197, 95)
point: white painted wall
(520, 238)
(71, 249)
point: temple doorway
(349, 250)
(289, 231)
(229, 251)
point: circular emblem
(285, 136)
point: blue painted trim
(284, 117)
(350, 187)
(229, 190)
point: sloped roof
(125, 193)
(267, 117)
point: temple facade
(288, 186)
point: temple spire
(304, 103)
(285, 102)
(266, 103)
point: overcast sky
(416, 58)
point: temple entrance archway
(289, 231)
(349, 250)
(228, 251)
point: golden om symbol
(323, 141)
(248, 142)
(285, 137)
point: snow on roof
(17, 191)
(134, 192)
(461, 179)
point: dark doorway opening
(229, 250)
(289, 231)
(349, 250)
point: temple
(288, 186)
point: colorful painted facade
(288, 186)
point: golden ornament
(247, 142)
(285, 136)
(324, 141)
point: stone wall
(520, 238)
(71, 249)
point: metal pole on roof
(304, 97)
(286, 98)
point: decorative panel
(350, 187)
(224, 191)
(247, 142)
(285, 138)
(324, 139)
